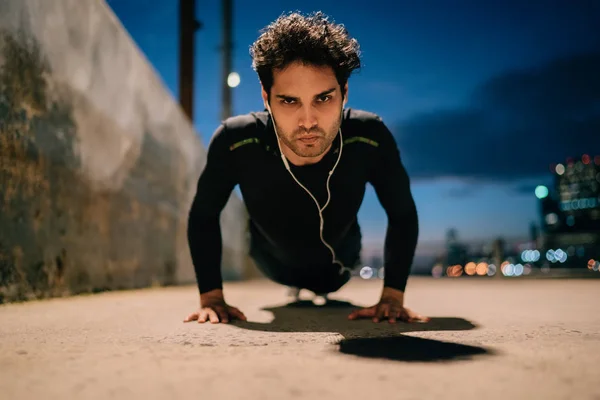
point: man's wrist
(395, 282)
(389, 291)
(211, 295)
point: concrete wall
(98, 164)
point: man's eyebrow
(287, 97)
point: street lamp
(233, 79)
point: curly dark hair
(310, 39)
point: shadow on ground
(368, 339)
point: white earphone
(319, 208)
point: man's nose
(308, 119)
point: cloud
(524, 188)
(515, 126)
(462, 191)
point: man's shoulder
(364, 126)
(241, 128)
(246, 123)
(358, 116)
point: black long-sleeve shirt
(244, 152)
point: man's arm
(392, 186)
(214, 188)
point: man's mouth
(308, 139)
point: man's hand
(390, 306)
(214, 308)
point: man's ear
(345, 91)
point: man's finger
(380, 312)
(414, 317)
(393, 315)
(362, 313)
(191, 317)
(419, 318)
(237, 313)
(212, 315)
(223, 315)
(404, 316)
(202, 316)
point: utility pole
(227, 47)
(188, 25)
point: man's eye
(324, 99)
(287, 101)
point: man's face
(306, 102)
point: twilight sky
(481, 96)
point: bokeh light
(541, 192)
(454, 271)
(233, 79)
(366, 272)
(508, 269)
(437, 271)
(481, 269)
(530, 255)
(470, 268)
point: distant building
(570, 214)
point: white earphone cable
(319, 208)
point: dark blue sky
(481, 96)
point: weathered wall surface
(98, 165)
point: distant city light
(578, 204)
(597, 160)
(481, 269)
(558, 255)
(454, 270)
(530, 255)
(508, 269)
(518, 270)
(541, 191)
(585, 159)
(366, 272)
(560, 169)
(551, 219)
(470, 268)
(491, 270)
(591, 263)
(233, 80)
(561, 255)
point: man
(302, 166)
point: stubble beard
(309, 150)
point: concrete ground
(492, 339)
